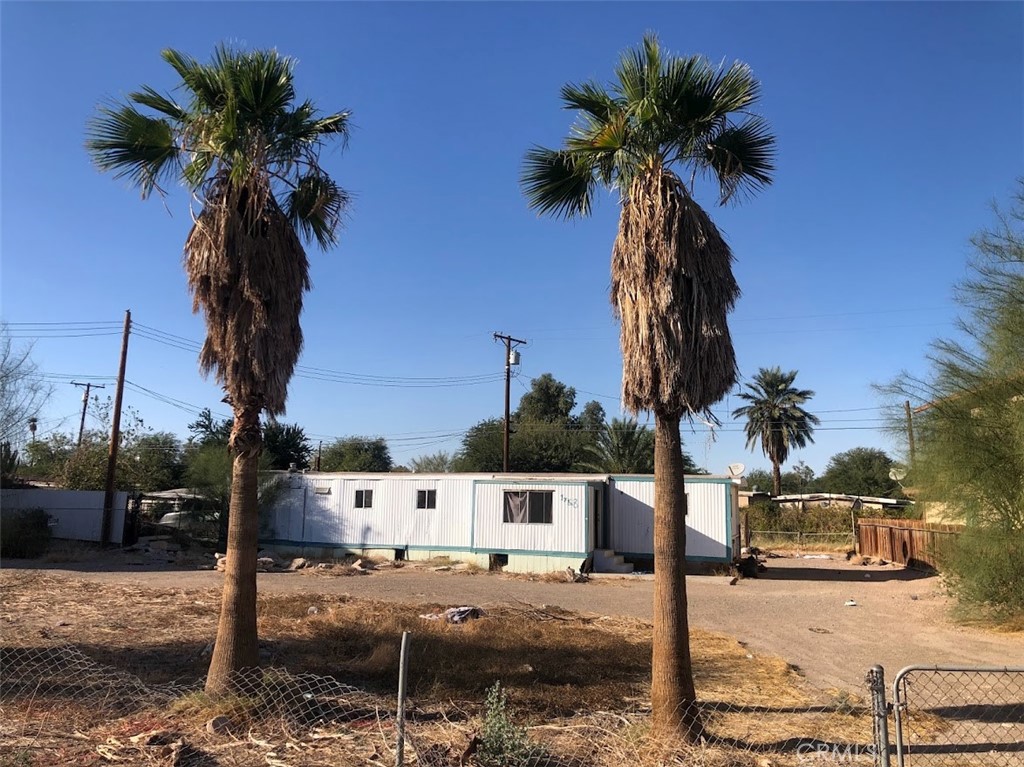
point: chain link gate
(948, 716)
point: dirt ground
(796, 610)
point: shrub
(24, 534)
(502, 743)
(985, 570)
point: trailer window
(426, 499)
(364, 499)
(528, 507)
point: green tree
(799, 480)
(207, 430)
(440, 462)
(250, 155)
(357, 454)
(46, 457)
(591, 418)
(860, 471)
(548, 400)
(671, 283)
(970, 423)
(286, 444)
(759, 480)
(775, 417)
(623, 446)
(481, 449)
(10, 460)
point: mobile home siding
(75, 515)
(567, 534)
(330, 517)
(709, 521)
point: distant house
(805, 501)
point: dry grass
(580, 683)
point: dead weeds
(585, 675)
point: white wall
(75, 515)
(304, 515)
(568, 532)
(709, 520)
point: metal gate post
(879, 715)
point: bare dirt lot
(89, 650)
(797, 610)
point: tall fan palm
(672, 283)
(775, 418)
(250, 155)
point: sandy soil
(797, 610)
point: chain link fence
(959, 717)
(58, 706)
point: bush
(767, 515)
(502, 743)
(24, 534)
(985, 570)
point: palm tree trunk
(673, 699)
(237, 645)
(777, 478)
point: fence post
(402, 663)
(879, 715)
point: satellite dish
(736, 469)
(897, 473)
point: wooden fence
(910, 542)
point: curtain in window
(515, 508)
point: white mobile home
(712, 521)
(528, 523)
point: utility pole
(319, 452)
(115, 434)
(85, 405)
(510, 344)
(910, 430)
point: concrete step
(607, 561)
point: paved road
(796, 610)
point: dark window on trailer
(426, 499)
(364, 499)
(528, 507)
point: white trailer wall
(321, 511)
(75, 515)
(711, 521)
(568, 535)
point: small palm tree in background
(623, 446)
(250, 156)
(671, 274)
(775, 417)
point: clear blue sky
(897, 125)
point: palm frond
(148, 97)
(131, 145)
(741, 157)
(315, 208)
(591, 99)
(202, 81)
(558, 183)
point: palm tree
(250, 157)
(623, 446)
(671, 274)
(775, 418)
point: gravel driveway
(796, 610)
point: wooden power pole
(85, 405)
(115, 435)
(910, 430)
(510, 344)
